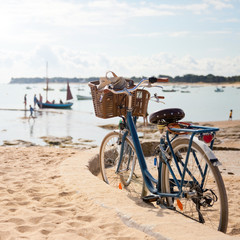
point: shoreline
(225, 84)
(228, 136)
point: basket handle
(115, 75)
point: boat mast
(47, 81)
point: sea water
(200, 103)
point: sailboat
(52, 104)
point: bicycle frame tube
(148, 178)
(121, 151)
(185, 168)
(194, 131)
(139, 153)
(123, 139)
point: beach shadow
(94, 168)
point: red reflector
(207, 138)
(179, 204)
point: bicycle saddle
(168, 115)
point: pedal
(150, 198)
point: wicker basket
(108, 105)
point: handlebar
(128, 91)
(154, 80)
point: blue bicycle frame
(148, 178)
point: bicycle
(186, 179)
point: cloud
(94, 13)
(219, 4)
(68, 63)
(173, 34)
(218, 32)
(87, 38)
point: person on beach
(40, 100)
(31, 112)
(230, 115)
(40, 97)
(25, 101)
(35, 100)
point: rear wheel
(204, 196)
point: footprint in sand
(10, 191)
(85, 218)
(45, 232)
(17, 221)
(62, 213)
(25, 228)
(54, 177)
(35, 220)
(235, 231)
(12, 210)
(63, 194)
(75, 224)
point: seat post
(130, 97)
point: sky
(87, 38)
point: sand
(50, 193)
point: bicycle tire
(129, 172)
(109, 158)
(213, 214)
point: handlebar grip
(160, 97)
(154, 79)
(162, 80)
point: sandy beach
(51, 193)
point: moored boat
(218, 90)
(169, 90)
(82, 97)
(66, 105)
(60, 105)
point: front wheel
(110, 152)
(127, 172)
(204, 197)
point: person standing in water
(230, 115)
(35, 100)
(25, 101)
(31, 111)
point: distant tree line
(191, 78)
(188, 78)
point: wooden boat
(66, 105)
(60, 105)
